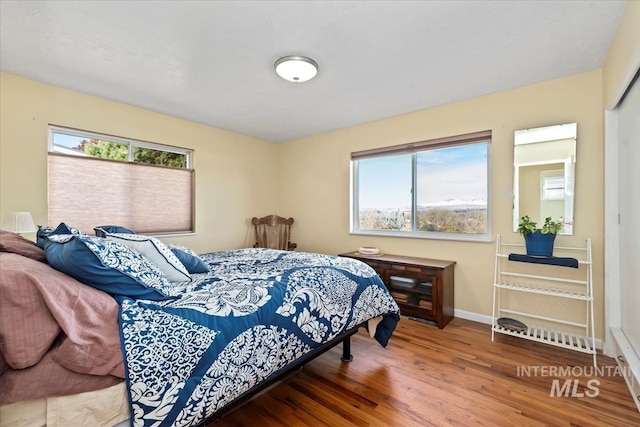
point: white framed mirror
(544, 162)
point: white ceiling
(212, 61)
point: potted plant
(539, 241)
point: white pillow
(156, 252)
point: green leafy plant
(527, 226)
(550, 226)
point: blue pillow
(189, 259)
(103, 230)
(42, 233)
(45, 230)
(106, 265)
(63, 228)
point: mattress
(100, 408)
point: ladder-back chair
(274, 232)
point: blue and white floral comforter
(257, 311)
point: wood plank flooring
(439, 377)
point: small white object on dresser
(369, 250)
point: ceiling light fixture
(296, 69)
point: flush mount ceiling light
(296, 69)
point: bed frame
(286, 372)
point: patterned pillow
(156, 252)
(106, 265)
(103, 230)
(189, 258)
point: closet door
(629, 208)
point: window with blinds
(96, 179)
(429, 189)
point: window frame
(415, 148)
(130, 142)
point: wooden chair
(274, 232)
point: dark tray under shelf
(550, 260)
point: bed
(182, 352)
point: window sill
(482, 238)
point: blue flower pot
(539, 244)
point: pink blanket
(45, 314)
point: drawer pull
(621, 359)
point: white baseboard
(488, 320)
(480, 318)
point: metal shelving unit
(558, 284)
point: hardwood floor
(452, 376)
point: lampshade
(18, 222)
(296, 69)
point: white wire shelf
(543, 290)
(547, 278)
(562, 339)
(556, 282)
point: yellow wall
(235, 175)
(317, 178)
(623, 57)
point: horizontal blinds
(423, 145)
(87, 192)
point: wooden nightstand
(422, 287)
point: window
(97, 179)
(429, 189)
(81, 143)
(552, 185)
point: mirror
(543, 185)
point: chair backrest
(273, 231)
